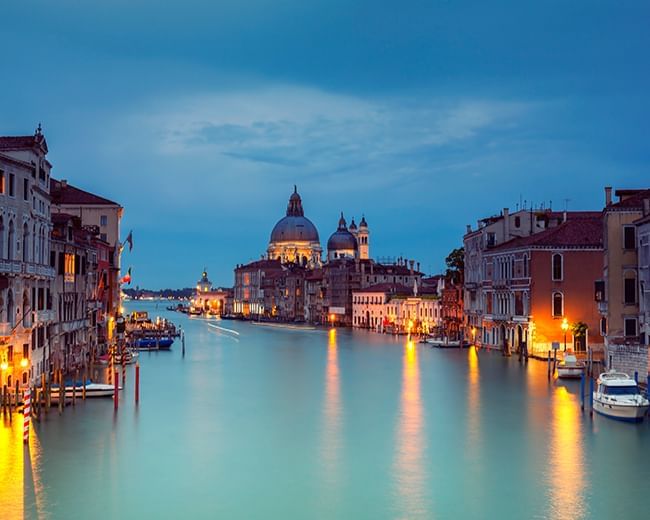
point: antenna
(566, 204)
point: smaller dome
(342, 239)
(353, 226)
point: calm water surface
(277, 423)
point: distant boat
(163, 343)
(617, 396)
(443, 343)
(128, 358)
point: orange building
(539, 289)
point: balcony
(5, 328)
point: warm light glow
(565, 325)
(4, 365)
(24, 362)
(121, 310)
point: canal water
(267, 423)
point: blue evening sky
(199, 116)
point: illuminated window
(69, 267)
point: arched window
(25, 243)
(526, 267)
(11, 309)
(558, 304)
(557, 267)
(11, 238)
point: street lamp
(565, 327)
(24, 362)
(332, 319)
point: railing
(27, 268)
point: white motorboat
(92, 390)
(442, 342)
(570, 367)
(617, 396)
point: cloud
(323, 133)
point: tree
(456, 265)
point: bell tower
(363, 238)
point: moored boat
(617, 396)
(92, 390)
(570, 367)
(150, 343)
(443, 342)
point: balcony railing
(27, 268)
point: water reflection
(331, 413)
(567, 463)
(473, 400)
(409, 469)
(12, 502)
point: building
(103, 213)
(395, 308)
(643, 245)
(211, 299)
(74, 334)
(491, 232)
(618, 292)
(248, 292)
(295, 238)
(25, 272)
(538, 288)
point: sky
(199, 116)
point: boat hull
(92, 390)
(570, 372)
(621, 412)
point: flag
(129, 240)
(100, 287)
(126, 278)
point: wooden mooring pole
(116, 393)
(137, 382)
(582, 391)
(548, 368)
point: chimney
(418, 264)
(646, 207)
(564, 216)
(64, 183)
(468, 230)
(506, 224)
(608, 195)
(372, 267)
(411, 264)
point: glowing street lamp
(332, 317)
(565, 327)
(4, 366)
(24, 362)
(473, 335)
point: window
(2, 182)
(557, 267)
(517, 222)
(103, 220)
(102, 236)
(69, 267)
(630, 327)
(558, 304)
(25, 189)
(603, 326)
(526, 267)
(630, 291)
(491, 239)
(629, 237)
(12, 188)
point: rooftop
(64, 193)
(585, 232)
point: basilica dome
(295, 238)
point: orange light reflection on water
(332, 411)
(20, 486)
(409, 468)
(567, 464)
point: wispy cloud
(299, 127)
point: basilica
(295, 281)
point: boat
(443, 342)
(149, 343)
(570, 367)
(92, 390)
(617, 396)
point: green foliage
(455, 264)
(579, 329)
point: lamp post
(565, 327)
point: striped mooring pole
(27, 410)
